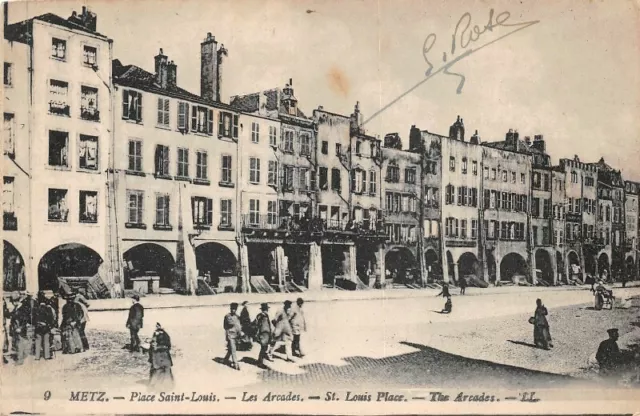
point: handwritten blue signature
(463, 36)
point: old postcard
(321, 207)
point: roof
(136, 77)
(250, 103)
(21, 31)
(521, 147)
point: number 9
(47, 395)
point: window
(536, 180)
(8, 133)
(588, 181)
(546, 208)
(452, 164)
(227, 125)
(202, 166)
(226, 169)
(535, 207)
(288, 141)
(135, 155)
(58, 49)
(135, 208)
(163, 112)
(8, 205)
(358, 147)
(183, 162)
(272, 175)
(493, 174)
(201, 120)
(254, 211)
(162, 210)
(304, 179)
(162, 161)
(373, 184)
(474, 228)
(254, 170)
(88, 207)
(202, 209)
(325, 147)
(513, 177)
(335, 180)
(358, 181)
(305, 145)
(183, 116)
(58, 148)
(523, 178)
(89, 104)
(474, 168)
(132, 105)
(88, 152)
(324, 178)
(338, 149)
(287, 178)
(89, 55)
(255, 132)
(504, 176)
(574, 177)
(58, 208)
(485, 173)
(273, 136)
(545, 182)
(410, 175)
(59, 98)
(272, 212)
(464, 165)
(7, 75)
(225, 213)
(393, 174)
(449, 194)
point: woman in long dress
(541, 334)
(160, 375)
(71, 316)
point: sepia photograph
(321, 207)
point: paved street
(398, 343)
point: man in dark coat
(160, 375)
(245, 343)
(263, 334)
(445, 291)
(134, 322)
(233, 332)
(463, 285)
(44, 323)
(609, 356)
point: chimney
(475, 139)
(510, 138)
(209, 68)
(172, 74)
(539, 143)
(87, 19)
(221, 52)
(456, 131)
(527, 140)
(262, 102)
(161, 69)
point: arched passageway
(468, 265)
(67, 260)
(401, 264)
(433, 265)
(603, 266)
(215, 261)
(149, 259)
(559, 266)
(12, 269)
(544, 266)
(513, 267)
(574, 265)
(491, 266)
(451, 266)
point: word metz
(381, 396)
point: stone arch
(604, 265)
(544, 265)
(513, 265)
(400, 262)
(468, 264)
(67, 260)
(149, 259)
(13, 269)
(432, 264)
(215, 260)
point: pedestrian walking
(71, 316)
(44, 323)
(541, 333)
(263, 334)
(135, 322)
(6, 320)
(160, 374)
(19, 331)
(298, 325)
(445, 291)
(463, 285)
(233, 331)
(246, 324)
(283, 333)
(84, 306)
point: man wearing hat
(609, 356)
(298, 325)
(283, 333)
(246, 324)
(233, 331)
(134, 322)
(263, 328)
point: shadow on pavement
(526, 344)
(422, 368)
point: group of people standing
(31, 327)
(285, 329)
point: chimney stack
(475, 139)
(87, 19)
(211, 68)
(539, 143)
(161, 62)
(172, 74)
(456, 131)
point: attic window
(89, 55)
(58, 49)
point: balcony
(90, 114)
(260, 222)
(9, 221)
(59, 108)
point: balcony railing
(58, 108)
(9, 221)
(90, 114)
(261, 222)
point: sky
(574, 76)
